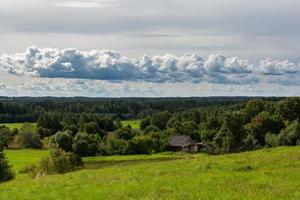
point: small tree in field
(5, 170)
(28, 137)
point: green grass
(263, 174)
(135, 124)
(11, 126)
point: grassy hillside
(11, 126)
(263, 174)
(135, 124)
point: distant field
(135, 124)
(263, 174)
(11, 126)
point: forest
(74, 128)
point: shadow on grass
(109, 163)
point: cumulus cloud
(274, 67)
(110, 65)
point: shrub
(141, 144)
(28, 137)
(291, 134)
(86, 145)
(44, 132)
(63, 140)
(113, 146)
(5, 135)
(6, 172)
(125, 133)
(272, 140)
(150, 129)
(59, 162)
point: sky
(150, 48)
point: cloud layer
(110, 65)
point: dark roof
(180, 140)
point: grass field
(135, 124)
(263, 174)
(11, 126)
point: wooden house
(182, 143)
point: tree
(86, 144)
(114, 146)
(5, 135)
(289, 108)
(290, 135)
(262, 124)
(118, 123)
(231, 135)
(253, 108)
(125, 133)
(144, 123)
(63, 140)
(160, 120)
(28, 137)
(141, 144)
(151, 129)
(6, 172)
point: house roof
(180, 140)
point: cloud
(111, 66)
(87, 3)
(274, 67)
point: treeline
(243, 126)
(28, 109)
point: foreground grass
(135, 124)
(12, 126)
(263, 174)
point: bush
(141, 144)
(59, 162)
(291, 134)
(5, 135)
(28, 137)
(86, 145)
(44, 132)
(272, 140)
(63, 140)
(151, 129)
(6, 172)
(113, 146)
(125, 133)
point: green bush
(59, 162)
(63, 140)
(291, 134)
(28, 137)
(86, 144)
(6, 172)
(272, 140)
(5, 135)
(141, 144)
(113, 146)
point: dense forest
(28, 109)
(86, 126)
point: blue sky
(117, 48)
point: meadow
(135, 124)
(263, 174)
(12, 126)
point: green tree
(291, 134)
(28, 137)
(160, 120)
(231, 135)
(63, 140)
(6, 172)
